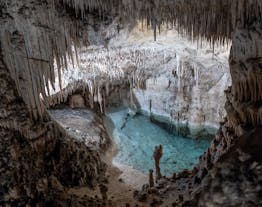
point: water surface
(136, 138)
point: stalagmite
(158, 152)
(151, 179)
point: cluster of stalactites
(37, 33)
(213, 20)
(94, 94)
(31, 40)
(82, 7)
(100, 70)
(246, 72)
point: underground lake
(136, 136)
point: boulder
(77, 101)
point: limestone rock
(76, 101)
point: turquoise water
(136, 138)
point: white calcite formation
(84, 126)
(184, 80)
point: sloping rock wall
(39, 161)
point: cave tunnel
(130, 103)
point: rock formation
(157, 156)
(76, 101)
(151, 179)
(38, 161)
(244, 119)
(148, 67)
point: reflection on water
(136, 138)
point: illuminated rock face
(185, 83)
(199, 101)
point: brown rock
(76, 101)
(157, 156)
(151, 178)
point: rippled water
(137, 138)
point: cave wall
(34, 32)
(244, 106)
(235, 179)
(39, 160)
(195, 93)
(132, 58)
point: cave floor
(85, 126)
(121, 182)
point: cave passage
(136, 137)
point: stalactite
(100, 99)
(41, 44)
(245, 66)
(196, 74)
(31, 43)
(178, 71)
